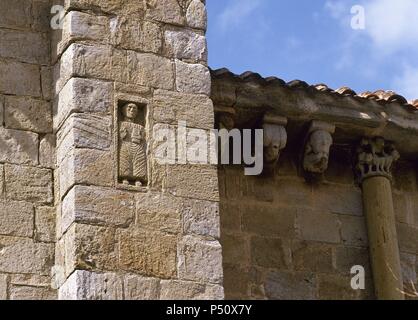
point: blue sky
(313, 40)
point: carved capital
(275, 140)
(375, 157)
(317, 147)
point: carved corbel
(316, 150)
(275, 140)
(375, 157)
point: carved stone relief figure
(132, 147)
(375, 157)
(275, 140)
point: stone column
(375, 159)
(130, 227)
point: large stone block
(18, 147)
(86, 285)
(236, 249)
(335, 287)
(16, 219)
(269, 221)
(15, 14)
(3, 286)
(121, 7)
(171, 107)
(140, 288)
(148, 253)
(150, 70)
(28, 114)
(184, 290)
(83, 131)
(354, 231)
(270, 253)
(23, 255)
(315, 226)
(192, 78)
(186, 45)
(237, 281)
(348, 257)
(83, 96)
(167, 11)
(200, 260)
(88, 167)
(290, 286)
(24, 46)
(45, 224)
(41, 11)
(312, 257)
(32, 293)
(196, 15)
(33, 280)
(159, 212)
(193, 181)
(99, 206)
(29, 184)
(20, 78)
(47, 151)
(339, 199)
(201, 218)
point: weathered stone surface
(354, 231)
(86, 166)
(83, 131)
(83, 96)
(15, 14)
(121, 7)
(32, 293)
(1, 110)
(409, 268)
(33, 280)
(167, 11)
(171, 107)
(312, 257)
(159, 212)
(340, 200)
(230, 216)
(317, 226)
(99, 206)
(90, 248)
(29, 47)
(150, 70)
(237, 279)
(140, 288)
(28, 114)
(269, 221)
(41, 12)
(29, 184)
(47, 151)
(45, 224)
(18, 146)
(86, 285)
(201, 218)
(23, 255)
(407, 238)
(1, 180)
(236, 249)
(3, 286)
(200, 260)
(46, 83)
(270, 253)
(186, 181)
(196, 15)
(148, 253)
(186, 45)
(192, 78)
(16, 219)
(291, 286)
(184, 290)
(334, 287)
(348, 257)
(20, 79)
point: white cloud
(336, 8)
(237, 12)
(407, 83)
(392, 25)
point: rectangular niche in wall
(131, 142)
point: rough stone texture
(3, 286)
(20, 79)
(192, 78)
(200, 260)
(140, 288)
(16, 219)
(182, 290)
(32, 293)
(186, 45)
(45, 224)
(285, 285)
(86, 285)
(196, 15)
(47, 151)
(28, 114)
(316, 226)
(98, 206)
(29, 184)
(15, 13)
(18, 147)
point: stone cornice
(382, 114)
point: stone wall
(283, 238)
(152, 238)
(27, 214)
